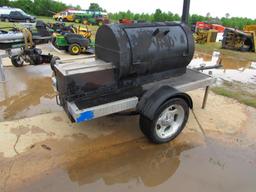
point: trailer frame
(190, 81)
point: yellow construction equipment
(65, 16)
(205, 36)
(250, 28)
(237, 40)
(84, 31)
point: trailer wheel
(74, 49)
(168, 122)
(16, 61)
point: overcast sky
(244, 8)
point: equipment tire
(74, 49)
(16, 61)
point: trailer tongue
(141, 67)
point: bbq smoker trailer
(141, 66)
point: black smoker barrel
(142, 48)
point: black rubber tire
(147, 126)
(71, 49)
(16, 61)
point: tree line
(158, 16)
(49, 7)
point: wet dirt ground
(47, 153)
(27, 92)
(42, 151)
(236, 78)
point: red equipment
(207, 26)
(126, 21)
(218, 28)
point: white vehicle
(7, 10)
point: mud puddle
(233, 69)
(191, 163)
(28, 91)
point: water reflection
(140, 166)
(153, 165)
(27, 92)
(243, 71)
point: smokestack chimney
(185, 13)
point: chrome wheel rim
(170, 121)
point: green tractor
(91, 19)
(74, 44)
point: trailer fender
(153, 99)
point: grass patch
(11, 24)
(242, 97)
(6, 24)
(46, 20)
(210, 47)
(93, 28)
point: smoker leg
(205, 97)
